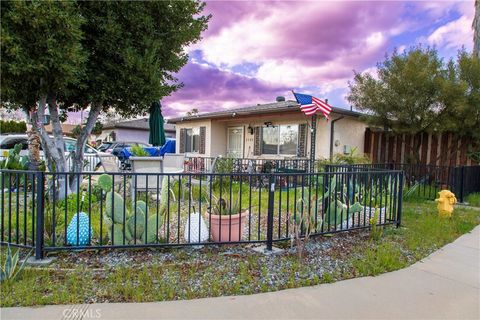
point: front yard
(171, 274)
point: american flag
(310, 105)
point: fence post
(462, 175)
(400, 200)
(271, 196)
(39, 237)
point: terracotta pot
(226, 228)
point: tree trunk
(78, 160)
(53, 148)
(34, 144)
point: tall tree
(41, 53)
(412, 93)
(128, 53)
(476, 29)
(417, 92)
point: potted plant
(227, 220)
(143, 164)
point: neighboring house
(272, 130)
(67, 128)
(132, 130)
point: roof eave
(238, 114)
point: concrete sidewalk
(444, 285)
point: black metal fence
(421, 180)
(125, 210)
(425, 181)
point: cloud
(256, 50)
(455, 34)
(209, 89)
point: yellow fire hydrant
(446, 200)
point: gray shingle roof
(281, 106)
(138, 124)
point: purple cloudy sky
(255, 51)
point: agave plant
(9, 270)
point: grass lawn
(171, 274)
(473, 199)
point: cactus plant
(105, 182)
(115, 207)
(134, 228)
(136, 223)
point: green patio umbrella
(157, 132)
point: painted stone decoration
(83, 222)
(198, 229)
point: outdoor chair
(108, 164)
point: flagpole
(313, 134)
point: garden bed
(171, 274)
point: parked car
(92, 161)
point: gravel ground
(325, 254)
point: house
(67, 128)
(272, 130)
(136, 130)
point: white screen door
(235, 142)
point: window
(281, 139)
(192, 140)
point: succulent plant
(115, 207)
(105, 182)
(153, 223)
(136, 223)
(225, 207)
(134, 228)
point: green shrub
(138, 151)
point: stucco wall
(193, 124)
(277, 119)
(218, 138)
(349, 131)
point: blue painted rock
(82, 220)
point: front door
(235, 142)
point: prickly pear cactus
(105, 182)
(142, 205)
(136, 223)
(85, 233)
(164, 196)
(151, 229)
(117, 234)
(115, 207)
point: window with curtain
(280, 140)
(192, 140)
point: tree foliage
(92, 55)
(416, 91)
